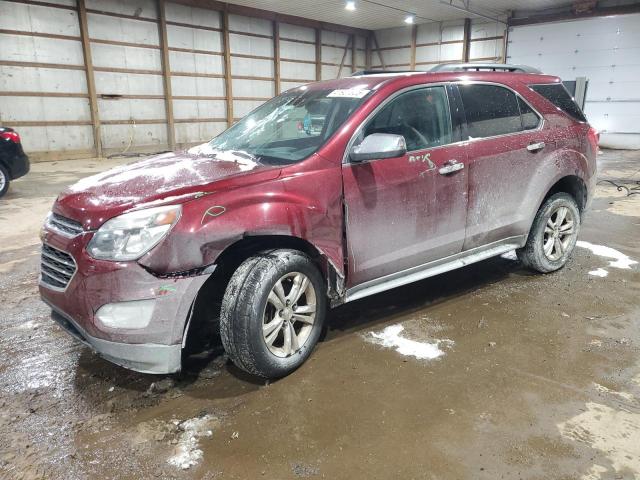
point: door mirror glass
(379, 145)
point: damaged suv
(326, 194)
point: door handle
(535, 147)
(450, 167)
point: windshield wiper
(245, 155)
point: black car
(14, 163)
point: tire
(4, 181)
(252, 301)
(536, 253)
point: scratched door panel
(402, 212)
(405, 211)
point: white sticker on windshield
(348, 93)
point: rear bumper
(144, 358)
(19, 166)
(590, 193)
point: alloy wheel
(289, 314)
(558, 233)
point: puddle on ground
(616, 433)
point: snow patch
(620, 260)
(624, 395)
(390, 338)
(599, 272)
(30, 325)
(187, 452)
(161, 168)
(244, 160)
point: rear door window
(491, 110)
(421, 116)
(558, 95)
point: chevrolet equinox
(328, 193)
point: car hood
(162, 179)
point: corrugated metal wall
(55, 77)
(195, 43)
(437, 43)
(142, 102)
(606, 50)
(150, 75)
(128, 73)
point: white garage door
(606, 50)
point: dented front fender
(306, 206)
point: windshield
(290, 127)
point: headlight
(133, 234)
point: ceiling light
(409, 19)
(350, 5)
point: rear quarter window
(558, 95)
(530, 119)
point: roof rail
(380, 72)
(482, 67)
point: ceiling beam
(558, 17)
(466, 8)
(273, 16)
(401, 10)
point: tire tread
(531, 255)
(239, 305)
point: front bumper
(143, 357)
(155, 348)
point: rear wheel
(4, 181)
(272, 313)
(553, 234)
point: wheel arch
(206, 306)
(571, 184)
(233, 255)
(5, 167)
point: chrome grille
(65, 226)
(56, 267)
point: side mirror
(378, 145)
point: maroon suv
(326, 194)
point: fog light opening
(127, 315)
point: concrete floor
(539, 378)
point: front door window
(421, 116)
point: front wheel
(272, 313)
(553, 234)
